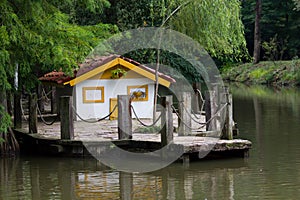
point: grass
(278, 73)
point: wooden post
(41, 99)
(126, 185)
(17, 110)
(185, 110)
(207, 109)
(66, 118)
(216, 106)
(228, 125)
(166, 120)
(196, 98)
(33, 113)
(211, 110)
(53, 100)
(124, 117)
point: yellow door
(113, 102)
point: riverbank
(276, 73)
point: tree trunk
(257, 34)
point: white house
(97, 83)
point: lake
(269, 117)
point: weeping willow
(216, 24)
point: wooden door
(112, 103)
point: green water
(269, 118)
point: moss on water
(266, 72)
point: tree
(216, 25)
(257, 37)
(297, 4)
(38, 37)
(280, 20)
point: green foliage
(83, 12)
(266, 72)
(118, 73)
(278, 18)
(297, 4)
(216, 25)
(5, 120)
(179, 65)
(42, 39)
(38, 37)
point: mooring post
(185, 110)
(207, 109)
(228, 125)
(41, 99)
(33, 113)
(53, 100)
(126, 185)
(17, 110)
(124, 117)
(66, 118)
(196, 98)
(216, 106)
(166, 120)
(211, 109)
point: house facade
(99, 81)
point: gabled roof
(92, 67)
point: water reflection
(268, 117)
(52, 178)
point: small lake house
(98, 81)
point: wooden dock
(194, 135)
(48, 142)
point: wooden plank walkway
(106, 131)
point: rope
(94, 121)
(180, 117)
(203, 102)
(191, 115)
(44, 94)
(43, 120)
(138, 119)
(204, 124)
(199, 92)
(22, 110)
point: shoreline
(271, 73)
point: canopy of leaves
(216, 25)
(39, 37)
(83, 12)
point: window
(93, 94)
(138, 93)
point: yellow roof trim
(143, 72)
(113, 63)
(93, 72)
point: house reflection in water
(53, 178)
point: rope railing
(202, 99)
(43, 120)
(44, 94)
(141, 122)
(204, 124)
(191, 115)
(178, 115)
(94, 121)
(23, 112)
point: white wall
(112, 88)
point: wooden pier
(177, 129)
